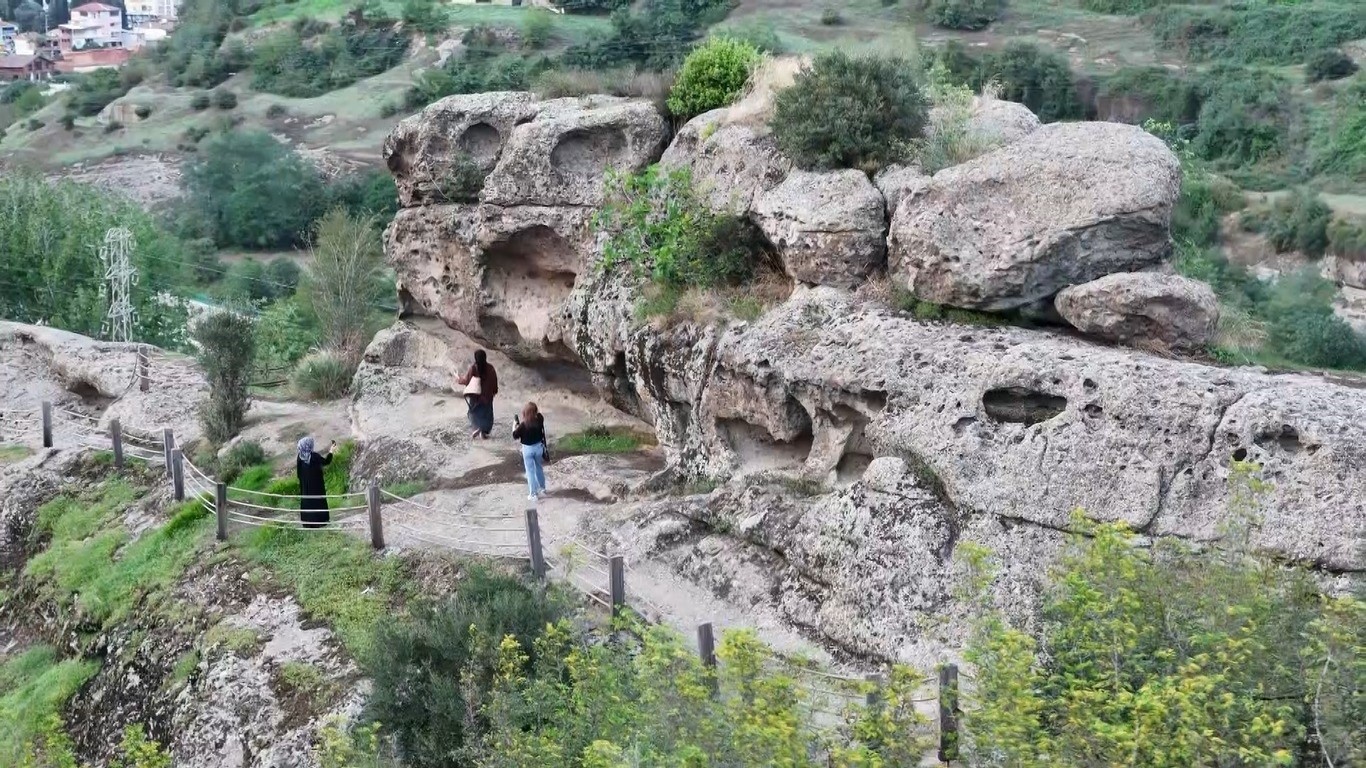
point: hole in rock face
(1094, 410)
(623, 393)
(400, 159)
(587, 153)
(527, 278)
(1018, 405)
(481, 142)
(89, 395)
(1287, 439)
(758, 450)
(851, 467)
(1240, 454)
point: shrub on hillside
(1338, 145)
(432, 668)
(1347, 239)
(276, 111)
(1244, 117)
(654, 34)
(226, 348)
(244, 188)
(224, 99)
(201, 101)
(1204, 201)
(1258, 33)
(1123, 6)
(1035, 77)
(952, 140)
(365, 192)
(246, 281)
(242, 455)
(1328, 64)
(464, 180)
(283, 276)
(963, 14)
(286, 64)
(879, 105)
(1297, 222)
(95, 91)
(142, 111)
(1161, 94)
(537, 29)
(1317, 337)
(344, 280)
(322, 376)
(712, 76)
(428, 16)
(657, 223)
(831, 17)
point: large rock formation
(1066, 204)
(828, 228)
(1143, 308)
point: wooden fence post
(220, 507)
(948, 713)
(116, 437)
(533, 540)
(706, 649)
(372, 500)
(47, 424)
(144, 379)
(618, 583)
(177, 474)
(167, 446)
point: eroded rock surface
(828, 228)
(1143, 308)
(1066, 204)
(997, 121)
(732, 163)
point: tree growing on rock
(712, 76)
(850, 112)
(227, 346)
(343, 280)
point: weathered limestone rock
(731, 164)
(1066, 204)
(1345, 270)
(423, 148)
(898, 182)
(1143, 307)
(997, 120)
(829, 228)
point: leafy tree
(247, 189)
(1166, 656)
(247, 281)
(1329, 64)
(1296, 222)
(50, 269)
(427, 16)
(283, 276)
(284, 63)
(226, 348)
(1257, 33)
(712, 76)
(344, 280)
(1243, 118)
(847, 112)
(94, 91)
(1037, 78)
(1338, 147)
(366, 192)
(963, 14)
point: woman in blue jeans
(530, 430)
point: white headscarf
(306, 449)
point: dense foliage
(657, 223)
(290, 64)
(50, 267)
(1167, 657)
(1296, 222)
(195, 55)
(226, 348)
(1244, 117)
(486, 63)
(344, 281)
(1259, 32)
(712, 76)
(850, 112)
(1040, 79)
(655, 34)
(1338, 147)
(963, 14)
(246, 189)
(1328, 64)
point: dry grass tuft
(755, 106)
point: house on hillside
(32, 67)
(9, 33)
(93, 25)
(144, 12)
(92, 59)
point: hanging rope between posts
(425, 508)
(458, 544)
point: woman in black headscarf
(481, 385)
(309, 467)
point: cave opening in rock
(759, 451)
(587, 152)
(481, 143)
(528, 278)
(1020, 405)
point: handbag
(475, 387)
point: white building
(149, 11)
(93, 25)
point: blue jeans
(533, 456)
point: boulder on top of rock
(829, 228)
(1143, 307)
(732, 164)
(423, 149)
(1000, 121)
(898, 182)
(1066, 204)
(559, 157)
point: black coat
(311, 485)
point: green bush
(464, 180)
(433, 668)
(428, 16)
(658, 224)
(653, 34)
(1165, 96)
(963, 14)
(245, 189)
(368, 192)
(286, 64)
(95, 91)
(345, 278)
(1123, 6)
(1314, 336)
(285, 332)
(1244, 117)
(322, 376)
(227, 346)
(1204, 201)
(224, 99)
(485, 64)
(1329, 64)
(712, 76)
(1338, 145)
(1037, 78)
(1130, 634)
(246, 281)
(276, 111)
(880, 106)
(201, 101)
(1258, 32)
(537, 29)
(1297, 222)
(239, 457)
(831, 17)
(1347, 239)
(283, 277)
(142, 111)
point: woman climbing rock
(313, 490)
(530, 430)
(481, 386)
